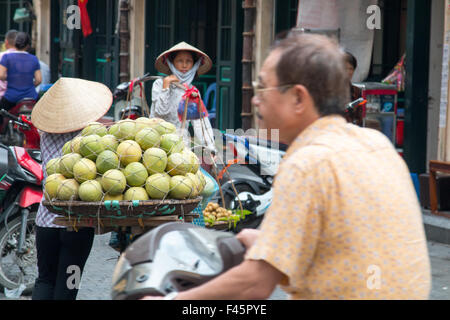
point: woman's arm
(3, 73)
(37, 78)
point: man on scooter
(334, 230)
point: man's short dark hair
(317, 63)
(11, 37)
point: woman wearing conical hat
(60, 115)
(181, 64)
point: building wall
(264, 34)
(42, 22)
(137, 38)
(435, 74)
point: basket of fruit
(128, 172)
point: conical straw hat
(70, 105)
(161, 61)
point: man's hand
(248, 237)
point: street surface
(96, 281)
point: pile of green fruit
(138, 159)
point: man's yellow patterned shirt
(345, 222)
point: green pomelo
(155, 160)
(90, 191)
(109, 142)
(94, 128)
(68, 190)
(75, 144)
(158, 185)
(171, 143)
(202, 178)
(125, 130)
(209, 188)
(136, 193)
(148, 138)
(84, 170)
(154, 122)
(165, 127)
(52, 184)
(66, 164)
(114, 182)
(192, 160)
(181, 187)
(91, 147)
(107, 160)
(113, 129)
(129, 151)
(109, 197)
(66, 148)
(177, 165)
(136, 174)
(197, 184)
(141, 123)
(52, 166)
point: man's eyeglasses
(258, 88)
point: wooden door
(229, 67)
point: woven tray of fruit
(119, 209)
(133, 168)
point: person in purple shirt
(22, 71)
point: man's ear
(301, 96)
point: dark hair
(11, 36)
(351, 59)
(174, 54)
(316, 62)
(22, 40)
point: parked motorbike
(254, 188)
(174, 257)
(22, 123)
(129, 98)
(20, 194)
(8, 135)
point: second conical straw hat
(70, 105)
(161, 61)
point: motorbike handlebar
(9, 115)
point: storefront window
(7, 10)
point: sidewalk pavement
(437, 228)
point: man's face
(272, 106)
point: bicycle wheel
(18, 268)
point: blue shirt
(21, 67)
